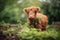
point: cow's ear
(25, 10)
(38, 9)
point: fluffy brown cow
(38, 20)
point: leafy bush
(32, 34)
(25, 32)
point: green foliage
(24, 32)
(12, 10)
(51, 9)
(32, 34)
(29, 33)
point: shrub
(29, 33)
(32, 34)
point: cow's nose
(30, 17)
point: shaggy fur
(38, 20)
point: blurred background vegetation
(11, 12)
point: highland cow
(38, 20)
